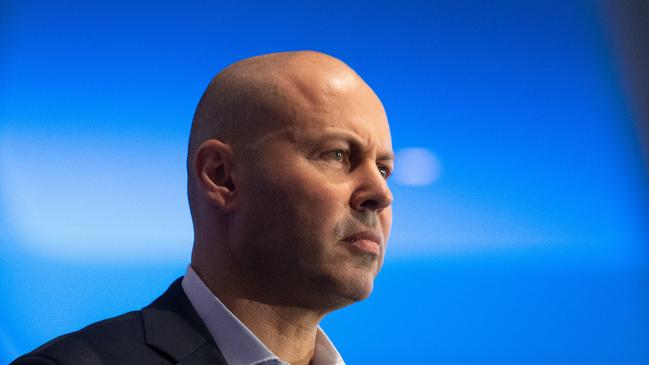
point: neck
(288, 331)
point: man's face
(315, 209)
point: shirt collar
(237, 343)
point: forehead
(340, 104)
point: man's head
(288, 159)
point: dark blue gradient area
(520, 217)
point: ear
(213, 162)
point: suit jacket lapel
(172, 326)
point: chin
(347, 289)
(360, 288)
(337, 286)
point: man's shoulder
(114, 340)
(166, 331)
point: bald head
(254, 96)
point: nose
(372, 192)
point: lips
(367, 242)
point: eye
(384, 171)
(339, 155)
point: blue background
(527, 244)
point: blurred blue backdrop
(520, 232)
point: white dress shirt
(237, 343)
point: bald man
(288, 159)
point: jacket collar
(172, 326)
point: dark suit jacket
(167, 331)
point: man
(287, 165)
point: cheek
(319, 205)
(303, 200)
(297, 200)
(307, 189)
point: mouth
(366, 242)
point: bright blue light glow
(90, 196)
(416, 167)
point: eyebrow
(385, 156)
(389, 156)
